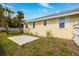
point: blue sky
(35, 10)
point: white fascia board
(57, 16)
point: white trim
(77, 20)
(60, 15)
(57, 24)
(46, 22)
(67, 22)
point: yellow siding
(52, 26)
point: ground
(40, 47)
(22, 39)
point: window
(61, 23)
(45, 22)
(33, 24)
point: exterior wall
(53, 27)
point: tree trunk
(6, 28)
(21, 29)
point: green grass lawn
(41, 47)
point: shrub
(36, 34)
(31, 34)
(28, 31)
(49, 34)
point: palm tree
(2, 10)
(14, 22)
(5, 17)
(8, 18)
(20, 16)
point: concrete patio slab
(22, 39)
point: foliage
(14, 23)
(5, 14)
(7, 20)
(39, 47)
(49, 34)
(20, 16)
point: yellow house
(60, 25)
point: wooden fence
(76, 33)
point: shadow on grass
(2, 50)
(51, 47)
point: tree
(7, 21)
(2, 10)
(20, 16)
(14, 22)
(5, 17)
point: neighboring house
(60, 25)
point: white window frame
(60, 22)
(33, 24)
(45, 22)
